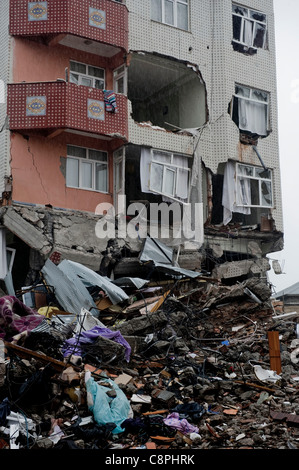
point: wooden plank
(274, 351)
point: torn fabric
(230, 193)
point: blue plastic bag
(104, 408)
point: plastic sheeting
(76, 271)
(161, 255)
(71, 280)
(104, 408)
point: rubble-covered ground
(179, 365)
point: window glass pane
(258, 16)
(99, 84)
(86, 175)
(247, 37)
(182, 16)
(169, 181)
(255, 197)
(95, 72)
(266, 193)
(237, 21)
(169, 18)
(157, 10)
(162, 157)
(97, 155)
(260, 95)
(240, 10)
(119, 71)
(72, 172)
(118, 175)
(77, 67)
(245, 170)
(156, 178)
(264, 174)
(76, 151)
(101, 177)
(86, 81)
(242, 91)
(74, 78)
(120, 85)
(260, 34)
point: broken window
(249, 28)
(87, 75)
(254, 186)
(250, 110)
(86, 169)
(165, 173)
(245, 187)
(120, 80)
(171, 12)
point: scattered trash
(172, 360)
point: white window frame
(255, 22)
(175, 3)
(117, 75)
(86, 75)
(256, 177)
(168, 166)
(254, 100)
(93, 163)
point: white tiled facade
(208, 45)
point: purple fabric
(90, 336)
(173, 420)
(16, 317)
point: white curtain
(248, 33)
(151, 174)
(231, 190)
(252, 116)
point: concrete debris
(176, 363)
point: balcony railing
(103, 21)
(50, 106)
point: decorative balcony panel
(102, 21)
(50, 106)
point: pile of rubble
(183, 363)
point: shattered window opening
(171, 12)
(169, 175)
(250, 110)
(87, 169)
(87, 75)
(249, 27)
(254, 186)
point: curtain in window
(252, 116)
(248, 33)
(231, 189)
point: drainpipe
(260, 158)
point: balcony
(95, 26)
(51, 107)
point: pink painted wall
(38, 177)
(36, 162)
(34, 62)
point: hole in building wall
(167, 93)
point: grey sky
(287, 44)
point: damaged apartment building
(130, 104)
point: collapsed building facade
(130, 104)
